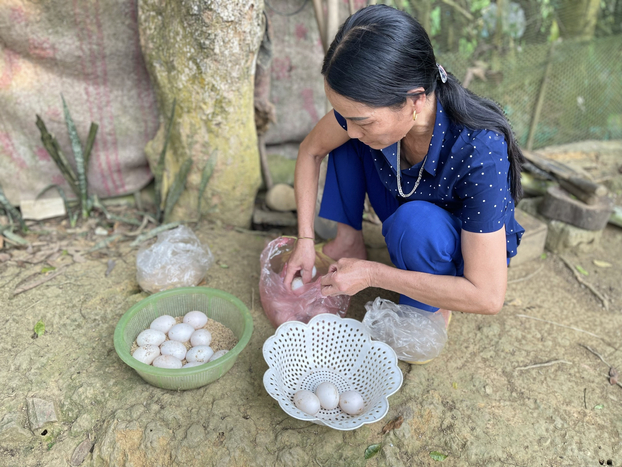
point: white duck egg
(174, 348)
(200, 353)
(146, 353)
(180, 332)
(163, 323)
(297, 283)
(196, 319)
(167, 361)
(191, 364)
(313, 272)
(307, 402)
(351, 403)
(217, 355)
(328, 395)
(201, 337)
(150, 337)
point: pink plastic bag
(280, 303)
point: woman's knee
(424, 237)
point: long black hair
(380, 54)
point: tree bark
(578, 18)
(203, 54)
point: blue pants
(420, 236)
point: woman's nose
(354, 132)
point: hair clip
(442, 72)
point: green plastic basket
(216, 304)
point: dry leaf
(393, 425)
(613, 375)
(602, 264)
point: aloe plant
(77, 180)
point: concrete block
(534, 238)
(42, 208)
(562, 236)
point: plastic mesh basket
(216, 304)
(338, 350)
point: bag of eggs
(281, 303)
(176, 259)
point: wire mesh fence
(554, 88)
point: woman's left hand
(347, 276)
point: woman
(440, 165)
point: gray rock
(80, 453)
(562, 236)
(281, 197)
(40, 412)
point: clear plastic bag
(280, 303)
(176, 259)
(415, 335)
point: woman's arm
(480, 290)
(325, 136)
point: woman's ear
(417, 99)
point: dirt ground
(483, 402)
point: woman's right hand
(302, 259)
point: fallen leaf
(543, 256)
(581, 270)
(393, 425)
(515, 302)
(613, 375)
(39, 328)
(602, 264)
(599, 406)
(455, 385)
(372, 450)
(47, 269)
(224, 266)
(437, 456)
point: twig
(584, 398)
(253, 299)
(154, 232)
(527, 277)
(34, 284)
(596, 353)
(136, 233)
(111, 264)
(561, 325)
(538, 365)
(577, 275)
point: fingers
(289, 277)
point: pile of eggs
(154, 349)
(327, 397)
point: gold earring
(415, 116)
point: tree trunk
(578, 18)
(203, 55)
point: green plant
(77, 180)
(166, 202)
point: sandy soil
(481, 403)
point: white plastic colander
(337, 350)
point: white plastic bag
(415, 335)
(177, 259)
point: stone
(274, 218)
(80, 453)
(557, 204)
(40, 412)
(534, 238)
(562, 236)
(202, 54)
(281, 197)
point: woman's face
(377, 127)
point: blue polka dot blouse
(466, 173)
